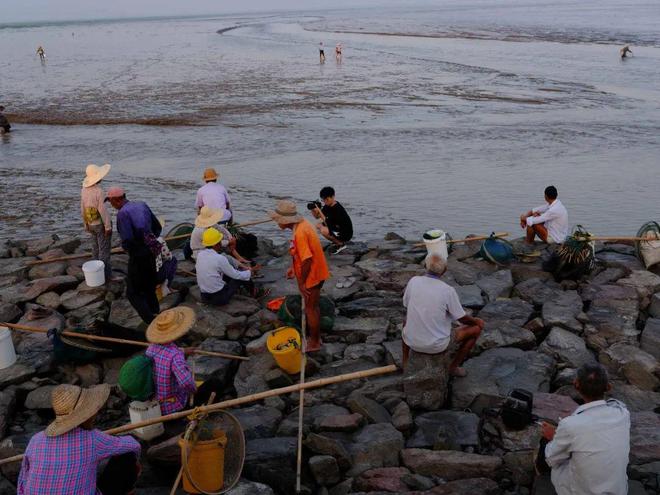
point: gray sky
(57, 10)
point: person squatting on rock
(587, 452)
(64, 459)
(219, 276)
(96, 217)
(214, 195)
(139, 230)
(336, 225)
(309, 266)
(549, 222)
(211, 217)
(432, 305)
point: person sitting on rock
(64, 458)
(549, 222)
(220, 276)
(173, 380)
(588, 451)
(432, 305)
(210, 217)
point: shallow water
(454, 117)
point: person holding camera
(336, 225)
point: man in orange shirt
(309, 265)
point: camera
(313, 205)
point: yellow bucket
(206, 464)
(288, 357)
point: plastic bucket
(284, 344)
(140, 411)
(436, 243)
(206, 464)
(94, 273)
(7, 352)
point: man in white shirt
(432, 305)
(214, 195)
(588, 450)
(219, 276)
(549, 222)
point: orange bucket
(206, 464)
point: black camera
(312, 205)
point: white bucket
(141, 411)
(437, 245)
(7, 352)
(94, 273)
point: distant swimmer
(4, 123)
(338, 52)
(41, 53)
(625, 51)
(321, 53)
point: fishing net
(649, 251)
(75, 350)
(290, 313)
(180, 229)
(136, 378)
(574, 258)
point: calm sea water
(452, 117)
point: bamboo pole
(322, 382)
(469, 239)
(114, 340)
(614, 239)
(301, 397)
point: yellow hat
(211, 237)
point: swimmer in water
(625, 51)
(321, 53)
(4, 123)
(41, 53)
(338, 53)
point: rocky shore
(392, 434)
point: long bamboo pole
(118, 250)
(322, 382)
(114, 340)
(301, 397)
(468, 239)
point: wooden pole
(468, 239)
(239, 401)
(100, 338)
(301, 398)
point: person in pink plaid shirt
(173, 379)
(63, 459)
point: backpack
(136, 378)
(516, 411)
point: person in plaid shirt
(173, 379)
(63, 459)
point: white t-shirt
(555, 218)
(432, 306)
(211, 266)
(197, 234)
(214, 196)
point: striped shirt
(172, 377)
(67, 464)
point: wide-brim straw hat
(74, 405)
(208, 217)
(94, 174)
(210, 174)
(285, 213)
(170, 325)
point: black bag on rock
(516, 411)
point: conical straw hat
(208, 217)
(94, 174)
(74, 405)
(170, 325)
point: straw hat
(285, 213)
(170, 325)
(210, 174)
(74, 405)
(94, 174)
(209, 216)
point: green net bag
(290, 312)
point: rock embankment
(413, 433)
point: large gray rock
(325, 470)
(39, 398)
(123, 314)
(326, 444)
(375, 446)
(358, 329)
(654, 307)
(50, 300)
(498, 371)
(87, 315)
(250, 377)
(382, 480)
(9, 312)
(313, 415)
(644, 437)
(241, 306)
(626, 262)
(513, 310)
(636, 399)
(505, 334)
(371, 307)
(473, 486)
(563, 310)
(497, 285)
(553, 407)
(607, 326)
(463, 273)
(537, 291)
(470, 296)
(425, 380)
(7, 405)
(651, 337)
(47, 270)
(394, 351)
(445, 430)
(567, 348)
(644, 282)
(245, 487)
(17, 267)
(272, 461)
(450, 464)
(639, 367)
(371, 410)
(82, 296)
(387, 274)
(217, 367)
(213, 321)
(16, 373)
(371, 352)
(258, 421)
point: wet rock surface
(418, 431)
